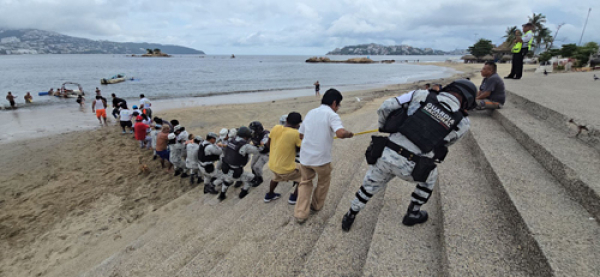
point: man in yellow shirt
(284, 141)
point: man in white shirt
(317, 131)
(145, 105)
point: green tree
(156, 51)
(538, 21)
(481, 48)
(149, 51)
(568, 50)
(544, 35)
(510, 34)
(584, 52)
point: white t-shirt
(149, 123)
(145, 103)
(319, 129)
(126, 115)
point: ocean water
(193, 75)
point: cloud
(296, 27)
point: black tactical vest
(232, 153)
(256, 141)
(206, 158)
(430, 124)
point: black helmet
(256, 127)
(244, 132)
(468, 90)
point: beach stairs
(518, 196)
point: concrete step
(567, 235)
(147, 252)
(480, 235)
(337, 253)
(205, 250)
(279, 244)
(397, 250)
(126, 237)
(563, 118)
(572, 162)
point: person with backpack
(208, 154)
(237, 154)
(422, 125)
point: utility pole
(555, 34)
(586, 21)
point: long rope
(364, 132)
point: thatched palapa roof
(488, 58)
(505, 47)
(468, 57)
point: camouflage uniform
(246, 177)
(213, 178)
(391, 164)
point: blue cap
(134, 106)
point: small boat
(114, 79)
(69, 93)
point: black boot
(243, 193)
(192, 179)
(154, 158)
(184, 175)
(348, 220)
(413, 217)
(177, 172)
(200, 180)
(238, 184)
(222, 196)
(257, 181)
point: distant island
(378, 49)
(32, 41)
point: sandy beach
(63, 194)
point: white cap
(232, 133)
(223, 133)
(176, 128)
(283, 119)
(171, 136)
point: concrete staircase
(516, 197)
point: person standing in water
(317, 88)
(99, 107)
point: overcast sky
(297, 27)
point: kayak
(42, 93)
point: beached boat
(114, 79)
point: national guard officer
(422, 125)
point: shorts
(293, 176)
(101, 113)
(126, 124)
(163, 154)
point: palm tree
(510, 34)
(149, 51)
(545, 36)
(538, 21)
